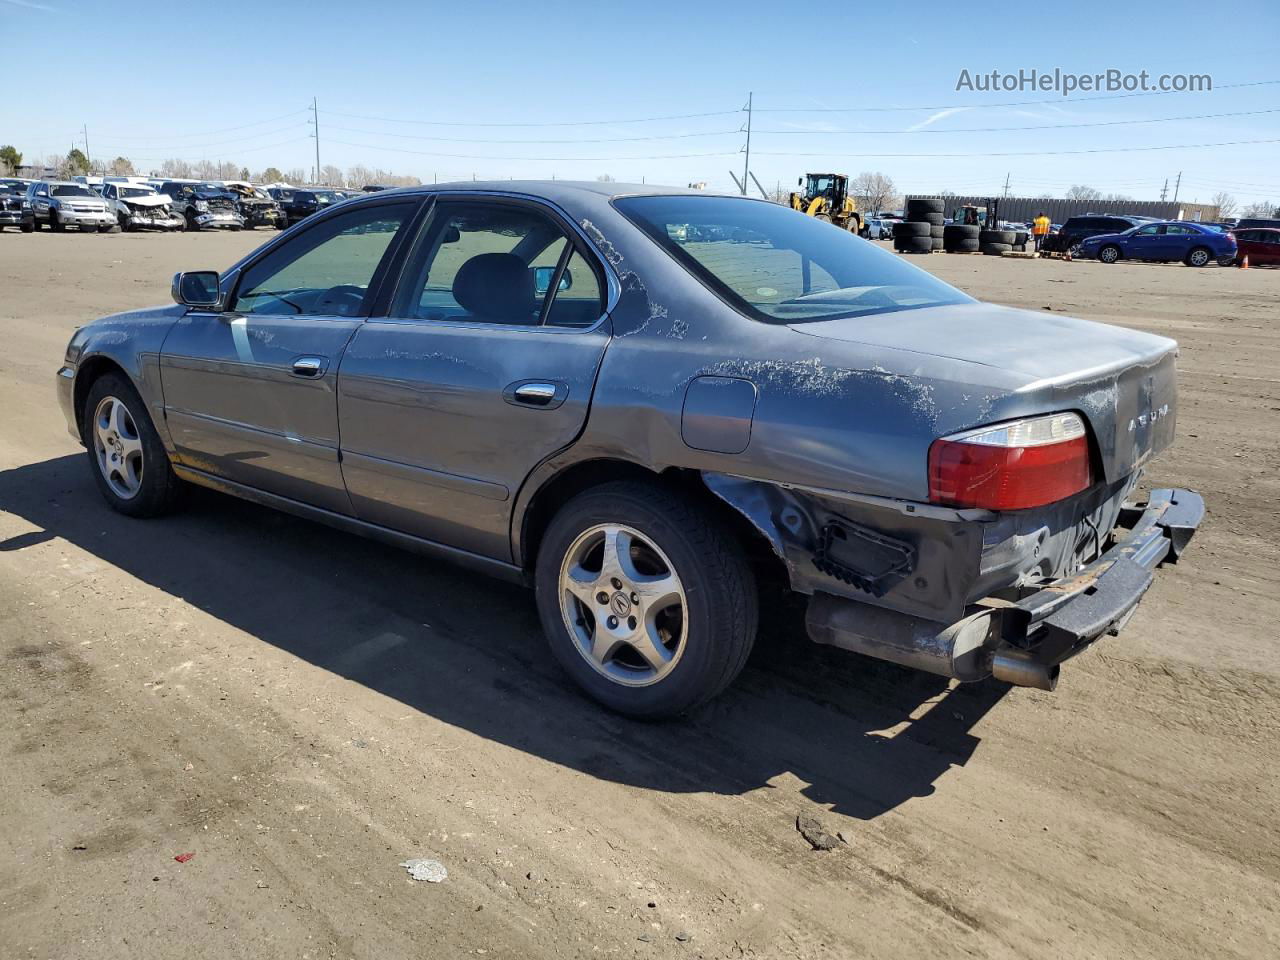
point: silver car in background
(63, 203)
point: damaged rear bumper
(1023, 641)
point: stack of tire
(996, 243)
(960, 238)
(922, 231)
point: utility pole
(746, 163)
(315, 122)
(1176, 186)
(1164, 190)
(86, 141)
(1006, 182)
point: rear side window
(482, 261)
(779, 266)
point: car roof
(552, 189)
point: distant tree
(1225, 203)
(359, 176)
(1080, 192)
(1117, 196)
(10, 159)
(332, 176)
(605, 178)
(244, 173)
(873, 192)
(176, 169)
(270, 175)
(296, 175)
(122, 167)
(76, 163)
(1263, 208)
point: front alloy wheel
(119, 447)
(1109, 254)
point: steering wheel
(345, 300)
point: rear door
(483, 367)
(250, 393)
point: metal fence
(1022, 209)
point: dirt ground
(304, 710)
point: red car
(1260, 244)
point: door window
(1148, 231)
(1176, 229)
(494, 262)
(327, 270)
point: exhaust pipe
(1015, 666)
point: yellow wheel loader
(826, 196)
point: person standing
(1040, 229)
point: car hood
(151, 200)
(1099, 237)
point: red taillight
(1011, 466)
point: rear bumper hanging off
(1024, 641)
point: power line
(1046, 126)
(482, 156)
(1007, 103)
(1025, 153)
(419, 136)
(212, 133)
(562, 123)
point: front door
(483, 368)
(1147, 243)
(250, 393)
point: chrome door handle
(542, 394)
(536, 394)
(309, 367)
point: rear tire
(141, 481)
(27, 227)
(699, 637)
(1226, 261)
(1199, 257)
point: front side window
(1147, 231)
(780, 266)
(327, 270)
(494, 262)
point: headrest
(496, 287)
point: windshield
(327, 196)
(136, 192)
(780, 266)
(72, 192)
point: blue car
(1195, 244)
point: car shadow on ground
(864, 736)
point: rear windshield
(780, 266)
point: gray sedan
(654, 406)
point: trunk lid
(1122, 381)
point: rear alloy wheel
(647, 602)
(1198, 257)
(1109, 254)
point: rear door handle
(541, 394)
(311, 368)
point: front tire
(646, 600)
(55, 224)
(127, 458)
(1109, 254)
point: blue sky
(478, 68)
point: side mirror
(196, 288)
(542, 279)
(800, 181)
